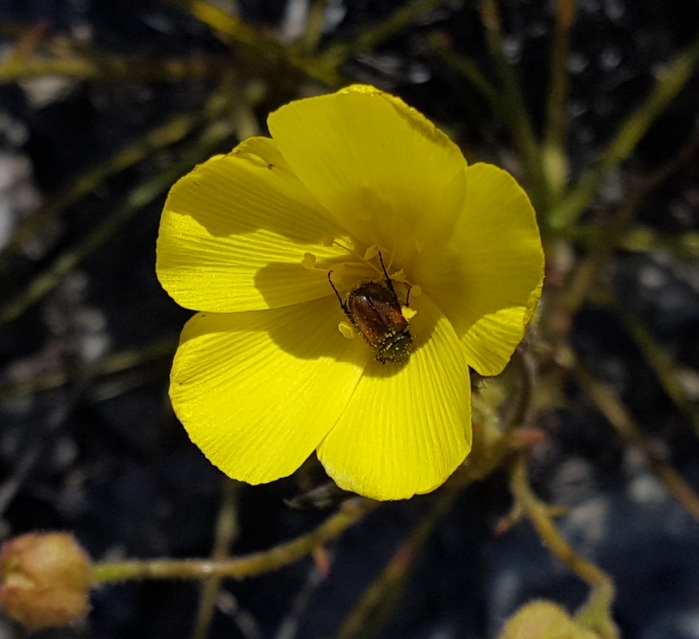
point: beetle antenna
(389, 283)
(407, 297)
(339, 298)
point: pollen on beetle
(309, 261)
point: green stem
(240, 567)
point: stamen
(359, 258)
(338, 272)
(371, 252)
(344, 248)
(328, 241)
(309, 261)
(408, 312)
(348, 330)
(398, 276)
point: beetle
(375, 310)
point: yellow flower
(262, 376)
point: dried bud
(544, 620)
(45, 579)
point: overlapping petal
(405, 430)
(258, 391)
(487, 278)
(234, 232)
(386, 173)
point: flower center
(372, 304)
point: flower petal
(257, 391)
(385, 172)
(405, 430)
(487, 278)
(234, 232)
(490, 342)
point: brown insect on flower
(374, 308)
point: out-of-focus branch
(660, 361)
(596, 613)
(669, 83)
(225, 535)
(370, 614)
(618, 416)
(517, 113)
(554, 156)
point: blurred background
(593, 105)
